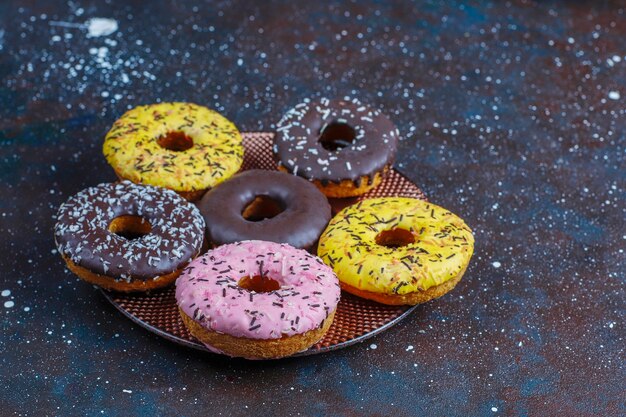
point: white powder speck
(127, 391)
(27, 309)
(8, 304)
(240, 62)
(100, 26)
(617, 58)
(6, 293)
(496, 264)
(409, 348)
(373, 346)
(614, 95)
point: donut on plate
(128, 237)
(397, 250)
(343, 146)
(265, 205)
(257, 300)
(181, 146)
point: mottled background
(512, 115)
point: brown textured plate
(356, 319)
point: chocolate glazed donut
(128, 237)
(265, 205)
(331, 141)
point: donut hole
(262, 207)
(259, 283)
(395, 238)
(130, 226)
(175, 141)
(336, 135)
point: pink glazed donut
(257, 299)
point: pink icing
(208, 290)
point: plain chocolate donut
(300, 211)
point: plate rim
(109, 296)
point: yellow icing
(443, 245)
(132, 150)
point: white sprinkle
(127, 391)
(373, 346)
(348, 166)
(9, 304)
(496, 264)
(240, 62)
(409, 348)
(617, 58)
(614, 95)
(6, 293)
(27, 309)
(100, 26)
(494, 409)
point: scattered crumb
(99, 26)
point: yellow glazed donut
(181, 146)
(397, 250)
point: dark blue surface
(513, 117)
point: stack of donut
(257, 257)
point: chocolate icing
(82, 231)
(297, 146)
(306, 210)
